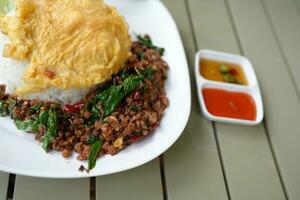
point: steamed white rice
(11, 72)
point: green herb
(33, 125)
(12, 104)
(6, 107)
(43, 117)
(224, 69)
(135, 108)
(136, 133)
(112, 96)
(37, 107)
(123, 74)
(51, 128)
(230, 79)
(141, 55)
(105, 120)
(110, 99)
(131, 83)
(143, 89)
(148, 42)
(94, 151)
(3, 109)
(27, 125)
(92, 139)
(148, 73)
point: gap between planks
(163, 177)
(11, 187)
(93, 188)
(221, 161)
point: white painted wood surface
(282, 106)
(3, 185)
(248, 163)
(28, 188)
(286, 27)
(297, 2)
(143, 182)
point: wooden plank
(285, 19)
(282, 106)
(192, 165)
(29, 188)
(3, 184)
(297, 2)
(143, 182)
(248, 162)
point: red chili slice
(74, 108)
(135, 138)
(136, 95)
(70, 108)
(79, 105)
(233, 72)
(154, 126)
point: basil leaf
(141, 55)
(135, 108)
(112, 96)
(3, 109)
(145, 40)
(12, 104)
(33, 125)
(27, 125)
(123, 74)
(148, 73)
(131, 83)
(51, 130)
(92, 139)
(37, 107)
(43, 117)
(95, 149)
(148, 42)
(6, 107)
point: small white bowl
(251, 89)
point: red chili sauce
(224, 103)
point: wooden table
(213, 160)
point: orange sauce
(224, 103)
(214, 70)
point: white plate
(251, 89)
(21, 154)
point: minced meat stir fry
(110, 117)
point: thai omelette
(69, 44)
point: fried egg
(67, 44)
